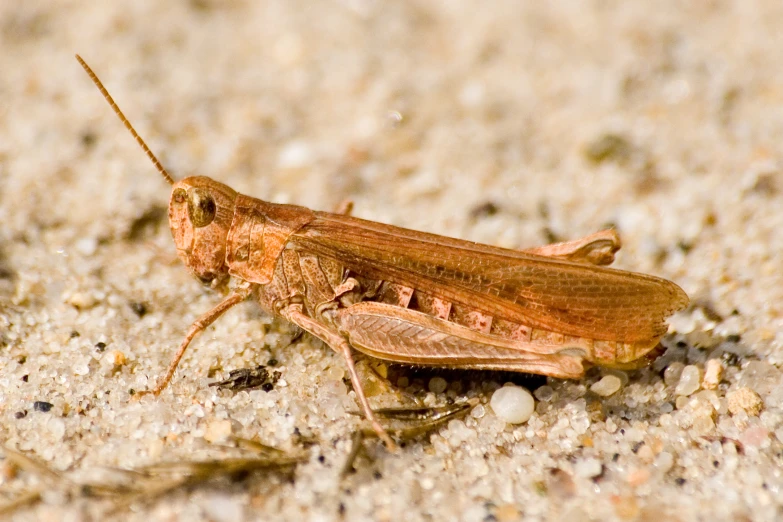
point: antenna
(124, 120)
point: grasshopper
(412, 297)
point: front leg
(236, 296)
(339, 344)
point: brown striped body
(406, 325)
(546, 310)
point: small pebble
(478, 412)
(9, 472)
(702, 339)
(506, 513)
(513, 404)
(671, 375)
(438, 385)
(222, 507)
(217, 431)
(744, 399)
(334, 373)
(755, 437)
(81, 300)
(87, 246)
(608, 385)
(713, 372)
(620, 374)
(295, 155)
(56, 428)
(690, 380)
(703, 425)
(544, 393)
(381, 368)
(580, 423)
(762, 377)
(638, 477)
(561, 484)
(664, 461)
(626, 507)
(683, 323)
(458, 432)
(646, 454)
(116, 357)
(588, 468)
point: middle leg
(340, 345)
(595, 249)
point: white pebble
(608, 385)
(544, 393)
(588, 468)
(222, 507)
(713, 372)
(671, 375)
(472, 94)
(87, 246)
(81, 300)
(56, 428)
(580, 423)
(664, 461)
(458, 432)
(682, 323)
(295, 155)
(217, 431)
(512, 404)
(690, 381)
(478, 412)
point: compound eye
(201, 207)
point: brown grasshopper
(412, 297)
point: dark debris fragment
(486, 209)
(148, 484)
(248, 379)
(43, 406)
(139, 308)
(608, 147)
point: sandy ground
(510, 123)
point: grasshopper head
(200, 210)
(200, 214)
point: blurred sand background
(511, 123)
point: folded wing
(561, 296)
